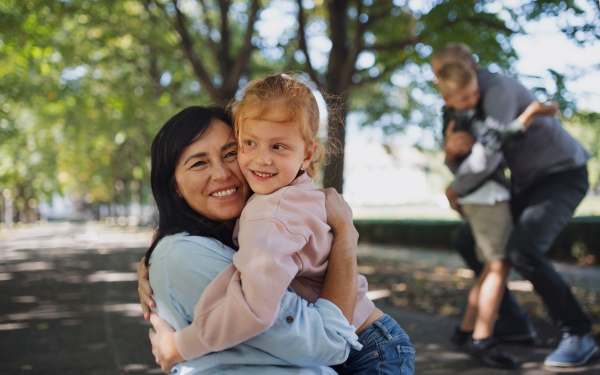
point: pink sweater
(284, 240)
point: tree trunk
(338, 80)
(334, 167)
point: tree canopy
(85, 85)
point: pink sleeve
(243, 300)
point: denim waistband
(385, 326)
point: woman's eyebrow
(229, 145)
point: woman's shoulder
(187, 245)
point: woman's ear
(177, 192)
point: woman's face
(208, 176)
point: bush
(579, 241)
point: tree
(86, 84)
(396, 38)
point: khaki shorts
(491, 226)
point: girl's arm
(242, 302)
(303, 333)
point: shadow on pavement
(70, 306)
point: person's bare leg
(472, 311)
(490, 295)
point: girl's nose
(263, 157)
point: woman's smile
(226, 192)
(209, 178)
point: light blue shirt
(305, 339)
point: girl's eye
(278, 147)
(249, 142)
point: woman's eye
(198, 164)
(231, 155)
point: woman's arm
(340, 281)
(303, 333)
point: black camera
(462, 119)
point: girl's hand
(162, 338)
(144, 289)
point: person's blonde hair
(280, 90)
(456, 52)
(454, 76)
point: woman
(200, 191)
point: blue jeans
(386, 350)
(540, 213)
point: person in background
(486, 208)
(548, 181)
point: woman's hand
(144, 289)
(162, 338)
(340, 286)
(339, 216)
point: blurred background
(86, 84)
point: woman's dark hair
(174, 214)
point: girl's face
(208, 176)
(272, 152)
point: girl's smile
(272, 152)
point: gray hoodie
(544, 148)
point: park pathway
(70, 306)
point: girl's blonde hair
(280, 90)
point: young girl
(283, 237)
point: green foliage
(86, 84)
(584, 127)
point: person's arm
(318, 334)
(503, 137)
(243, 300)
(235, 306)
(340, 281)
(309, 342)
(304, 334)
(535, 109)
(144, 289)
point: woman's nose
(220, 171)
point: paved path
(70, 306)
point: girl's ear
(310, 153)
